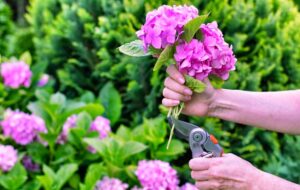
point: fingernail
(188, 97)
(188, 91)
(176, 101)
(181, 80)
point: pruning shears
(201, 143)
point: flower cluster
(29, 164)
(100, 125)
(110, 184)
(156, 174)
(43, 80)
(16, 74)
(164, 25)
(188, 186)
(213, 55)
(8, 157)
(22, 127)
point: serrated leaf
(216, 81)
(194, 84)
(134, 48)
(164, 57)
(192, 27)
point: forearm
(268, 181)
(277, 111)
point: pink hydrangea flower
(188, 186)
(156, 175)
(43, 80)
(70, 123)
(111, 184)
(164, 25)
(8, 157)
(193, 59)
(16, 74)
(100, 125)
(222, 57)
(22, 127)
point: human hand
(175, 92)
(229, 172)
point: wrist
(214, 106)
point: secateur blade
(182, 129)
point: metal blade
(182, 129)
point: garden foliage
(75, 42)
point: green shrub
(6, 26)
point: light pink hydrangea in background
(222, 57)
(188, 186)
(23, 128)
(164, 25)
(111, 184)
(192, 59)
(16, 74)
(156, 174)
(43, 80)
(8, 157)
(70, 123)
(100, 125)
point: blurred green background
(76, 41)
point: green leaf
(216, 81)
(26, 57)
(132, 148)
(58, 99)
(64, 173)
(192, 27)
(111, 100)
(15, 178)
(92, 108)
(164, 57)
(32, 185)
(37, 152)
(194, 84)
(97, 144)
(94, 173)
(134, 48)
(176, 148)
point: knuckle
(165, 92)
(166, 81)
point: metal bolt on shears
(201, 143)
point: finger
(169, 102)
(169, 94)
(201, 175)
(207, 185)
(199, 164)
(175, 86)
(175, 74)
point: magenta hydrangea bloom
(193, 59)
(22, 127)
(111, 184)
(188, 186)
(164, 25)
(102, 126)
(222, 57)
(156, 174)
(43, 80)
(70, 123)
(8, 157)
(16, 74)
(30, 165)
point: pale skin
(276, 111)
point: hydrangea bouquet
(178, 35)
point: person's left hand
(227, 172)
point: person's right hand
(175, 92)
